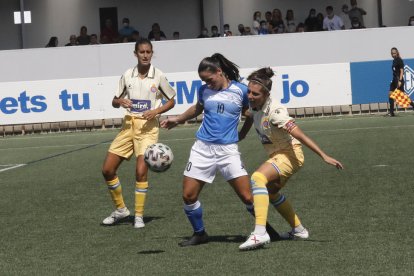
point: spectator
(268, 16)
(176, 35)
(345, 17)
(263, 30)
(108, 33)
(83, 38)
(300, 28)
(247, 31)
(320, 19)
(240, 28)
(311, 22)
(126, 30)
(156, 34)
(135, 36)
(411, 21)
(214, 31)
(93, 39)
(124, 39)
(228, 33)
(204, 33)
(53, 42)
(277, 22)
(355, 24)
(357, 12)
(290, 22)
(257, 17)
(226, 28)
(332, 22)
(72, 41)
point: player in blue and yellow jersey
(223, 99)
(282, 140)
(140, 91)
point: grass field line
(12, 166)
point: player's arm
(401, 75)
(190, 113)
(246, 125)
(168, 93)
(119, 98)
(297, 133)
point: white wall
(397, 12)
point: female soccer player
(223, 99)
(282, 139)
(140, 92)
(397, 78)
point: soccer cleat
(116, 216)
(255, 241)
(139, 222)
(196, 239)
(389, 115)
(295, 235)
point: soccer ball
(158, 157)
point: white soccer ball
(158, 157)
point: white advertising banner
(91, 98)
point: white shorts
(206, 158)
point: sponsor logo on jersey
(139, 106)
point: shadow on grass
(148, 252)
(130, 220)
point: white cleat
(295, 235)
(139, 222)
(116, 216)
(255, 241)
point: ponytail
(263, 77)
(218, 61)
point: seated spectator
(108, 33)
(247, 31)
(257, 17)
(53, 42)
(93, 39)
(320, 19)
(355, 24)
(83, 38)
(176, 35)
(411, 21)
(226, 28)
(228, 33)
(126, 30)
(311, 22)
(290, 22)
(124, 39)
(345, 17)
(214, 31)
(263, 30)
(156, 34)
(268, 16)
(204, 33)
(135, 36)
(332, 22)
(240, 28)
(72, 41)
(300, 28)
(279, 26)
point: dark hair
(263, 77)
(142, 40)
(218, 61)
(398, 52)
(52, 42)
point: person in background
(345, 17)
(126, 30)
(278, 24)
(94, 39)
(135, 36)
(263, 30)
(214, 31)
(300, 28)
(332, 22)
(176, 35)
(156, 34)
(72, 41)
(240, 28)
(108, 33)
(204, 33)
(357, 12)
(268, 16)
(355, 24)
(257, 17)
(53, 42)
(83, 38)
(141, 91)
(311, 22)
(411, 21)
(290, 22)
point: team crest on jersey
(153, 88)
(265, 123)
(139, 106)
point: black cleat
(196, 239)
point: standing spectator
(320, 19)
(290, 22)
(126, 30)
(204, 33)
(268, 16)
(257, 17)
(93, 40)
(311, 22)
(83, 38)
(53, 42)
(176, 35)
(279, 26)
(345, 17)
(357, 12)
(72, 41)
(214, 31)
(156, 33)
(108, 33)
(332, 22)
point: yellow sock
(141, 189)
(285, 209)
(115, 190)
(260, 196)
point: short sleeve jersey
(145, 94)
(333, 24)
(397, 65)
(222, 111)
(272, 124)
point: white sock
(299, 228)
(259, 229)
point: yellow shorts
(135, 136)
(287, 162)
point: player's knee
(189, 198)
(108, 173)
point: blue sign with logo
(140, 105)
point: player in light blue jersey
(223, 99)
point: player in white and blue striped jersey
(223, 99)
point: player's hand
(242, 136)
(149, 114)
(333, 162)
(169, 123)
(125, 103)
